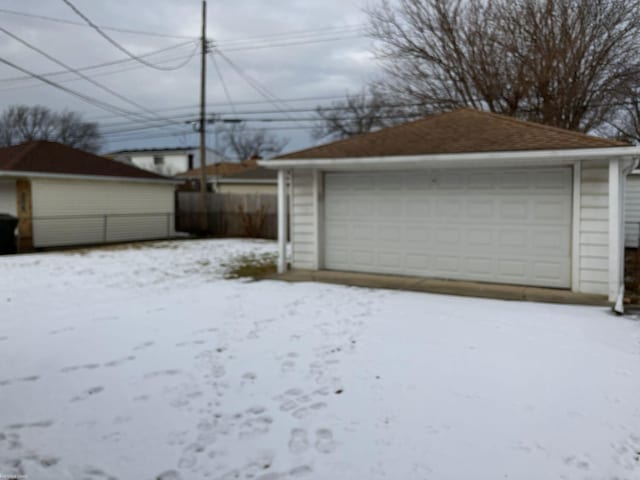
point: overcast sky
(241, 29)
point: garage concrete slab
(447, 287)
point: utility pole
(203, 122)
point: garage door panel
(478, 209)
(480, 238)
(488, 225)
(514, 208)
(512, 269)
(416, 234)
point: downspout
(618, 308)
(282, 220)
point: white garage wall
(594, 228)
(303, 227)
(593, 225)
(8, 197)
(632, 210)
(74, 199)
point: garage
(459, 199)
(509, 226)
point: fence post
(168, 225)
(104, 229)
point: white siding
(594, 228)
(592, 265)
(632, 210)
(8, 197)
(72, 212)
(303, 228)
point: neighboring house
(164, 161)
(464, 195)
(64, 196)
(258, 180)
(214, 173)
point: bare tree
(240, 142)
(358, 113)
(21, 123)
(627, 124)
(565, 63)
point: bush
(251, 265)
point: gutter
(248, 181)
(67, 176)
(540, 157)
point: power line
(289, 44)
(116, 44)
(97, 103)
(112, 63)
(80, 24)
(224, 84)
(84, 77)
(262, 90)
(100, 74)
(247, 102)
(298, 33)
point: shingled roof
(460, 131)
(219, 169)
(55, 158)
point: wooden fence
(228, 215)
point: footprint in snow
(324, 441)
(73, 368)
(87, 393)
(120, 361)
(61, 330)
(162, 373)
(144, 345)
(298, 441)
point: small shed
(65, 197)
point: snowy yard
(142, 363)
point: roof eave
(68, 176)
(461, 160)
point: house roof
(459, 131)
(258, 173)
(55, 158)
(216, 170)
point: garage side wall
(632, 211)
(77, 212)
(594, 228)
(8, 202)
(303, 224)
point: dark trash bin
(8, 225)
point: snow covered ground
(143, 363)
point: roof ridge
(408, 127)
(370, 134)
(534, 124)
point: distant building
(164, 161)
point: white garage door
(508, 226)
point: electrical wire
(262, 90)
(297, 33)
(290, 44)
(136, 116)
(80, 24)
(113, 62)
(116, 44)
(224, 84)
(92, 101)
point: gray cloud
(310, 70)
